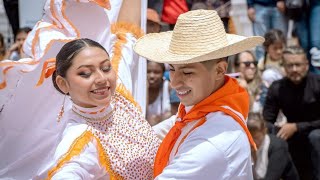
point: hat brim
(155, 47)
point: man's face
(296, 67)
(193, 82)
(153, 27)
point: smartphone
(234, 75)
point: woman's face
(90, 80)
(247, 66)
(154, 75)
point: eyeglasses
(290, 66)
(248, 63)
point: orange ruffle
(120, 29)
(47, 70)
(103, 3)
(124, 27)
(75, 150)
(5, 71)
(126, 94)
(115, 61)
(77, 147)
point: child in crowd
(15, 51)
(272, 160)
(270, 66)
(273, 45)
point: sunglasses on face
(248, 63)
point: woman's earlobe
(62, 84)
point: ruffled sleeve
(76, 157)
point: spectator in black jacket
(298, 96)
(272, 160)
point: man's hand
(252, 14)
(287, 130)
(281, 6)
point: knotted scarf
(230, 99)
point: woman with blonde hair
(246, 64)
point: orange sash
(230, 98)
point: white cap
(315, 57)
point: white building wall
(240, 18)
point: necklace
(92, 120)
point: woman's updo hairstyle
(66, 55)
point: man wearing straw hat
(209, 139)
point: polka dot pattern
(127, 138)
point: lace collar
(95, 114)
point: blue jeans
(314, 23)
(267, 18)
(314, 139)
(308, 29)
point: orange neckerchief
(230, 94)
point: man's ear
(62, 84)
(221, 69)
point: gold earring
(62, 109)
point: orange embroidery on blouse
(105, 161)
(126, 94)
(75, 150)
(126, 144)
(128, 140)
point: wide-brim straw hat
(198, 36)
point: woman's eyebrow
(90, 65)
